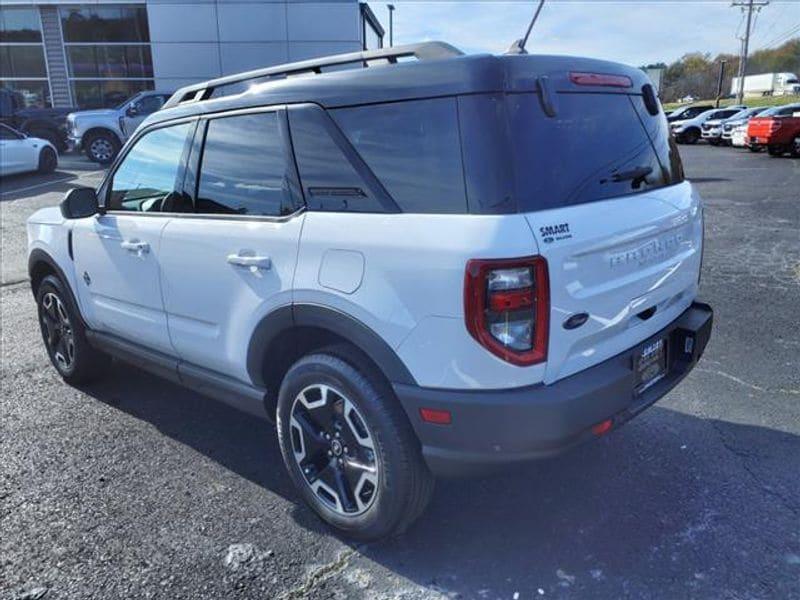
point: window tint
(244, 168)
(596, 147)
(148, 180)
(414, 149)
(330, 182)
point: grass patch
(749, 102)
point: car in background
(689, 131)
(775, 130)
(711, 130)
(100, 133)
(44, 123)
(739, 136)
(688, 112)
(742, 118)
(20, 153)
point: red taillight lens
(601, 79)
(507, 307)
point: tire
(48, 160)
(776, 150)
(64, 335)
(691, 137)
(101, 147)
(394, 482)
(754, 148)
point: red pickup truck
(777, 130)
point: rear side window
(244, 169)
(414, 149)
(597, 146)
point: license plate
(650, 364)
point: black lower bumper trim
(495, 427)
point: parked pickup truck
(775, 130)
(43, 123)
(101, 133)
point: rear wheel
(64, 335)
(753, 148)
(349, 447)
(48, 160)
(101, 147)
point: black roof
(411, 72)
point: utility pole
(749, 6)
(391, 24)
(719, 81)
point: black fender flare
(282, 320)
(38, 257)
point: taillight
(600, 79)
(507, 307)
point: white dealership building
(97, 54)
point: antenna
(518, 47)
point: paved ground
(134, 488)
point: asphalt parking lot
(135, 488)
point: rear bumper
(494, 427)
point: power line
(781, 38)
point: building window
(95, 24)
(108, 53)
(23, 69)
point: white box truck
(768, 84)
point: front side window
(149, 179)
(414, 149)
(244, 168)
(8, 134)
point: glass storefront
(23, 68)
(108, 53)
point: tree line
(695, 74)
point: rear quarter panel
(402, 275)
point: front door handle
(259, 262)
(135, 246)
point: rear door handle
(135, 246)
(259, 262)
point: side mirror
(132, 111)
(79, 203)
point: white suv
(432, 268)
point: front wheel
(775, 150)
(349, 448)
(691, 137)
(48, 160)
(64, 335)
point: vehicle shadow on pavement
(664, 501)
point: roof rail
(424, 51)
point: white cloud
(630, 31)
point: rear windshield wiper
(636, 174)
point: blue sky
(630, 31)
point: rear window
(414, 149)
(597, 146)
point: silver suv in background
(741, 118)
(100, 133)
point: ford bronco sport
(426, 264)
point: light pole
(391, 24)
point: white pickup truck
(100, 133)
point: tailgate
(601, 184)
(631, 264)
